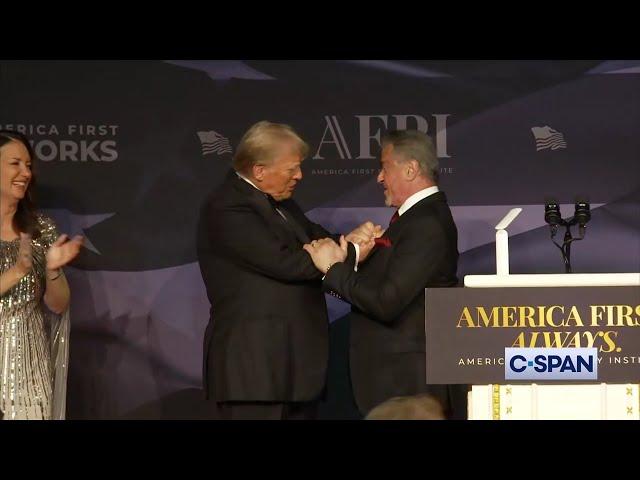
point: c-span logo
(551, 363)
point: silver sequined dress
(27, 372)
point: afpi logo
(551, 363)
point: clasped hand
(325, 252)
(365, 236)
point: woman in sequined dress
(34, 293)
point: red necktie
(395, 216)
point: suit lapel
(261, 205)
(417, 209)
(293, 224)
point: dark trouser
(268, 411)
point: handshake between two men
(325, 252)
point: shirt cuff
(357, 248)
(355, 266)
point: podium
(619, 401)
(554, 402)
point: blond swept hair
(262, 142)
(416, 407)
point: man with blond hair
(266, 345)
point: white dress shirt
(355, 245)
(416, 197)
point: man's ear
(411, 169)
(258, 172)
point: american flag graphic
(213, 142)
(547, 137)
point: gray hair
(415, 145)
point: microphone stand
(565, 249)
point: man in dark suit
(265, 348)
(418, 250)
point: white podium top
(554, 280)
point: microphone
(552, 214)
(582, 214)
(553, 217)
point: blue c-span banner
(542, 364)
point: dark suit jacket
(387, 352)
(267, 338)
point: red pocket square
(383, 242)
